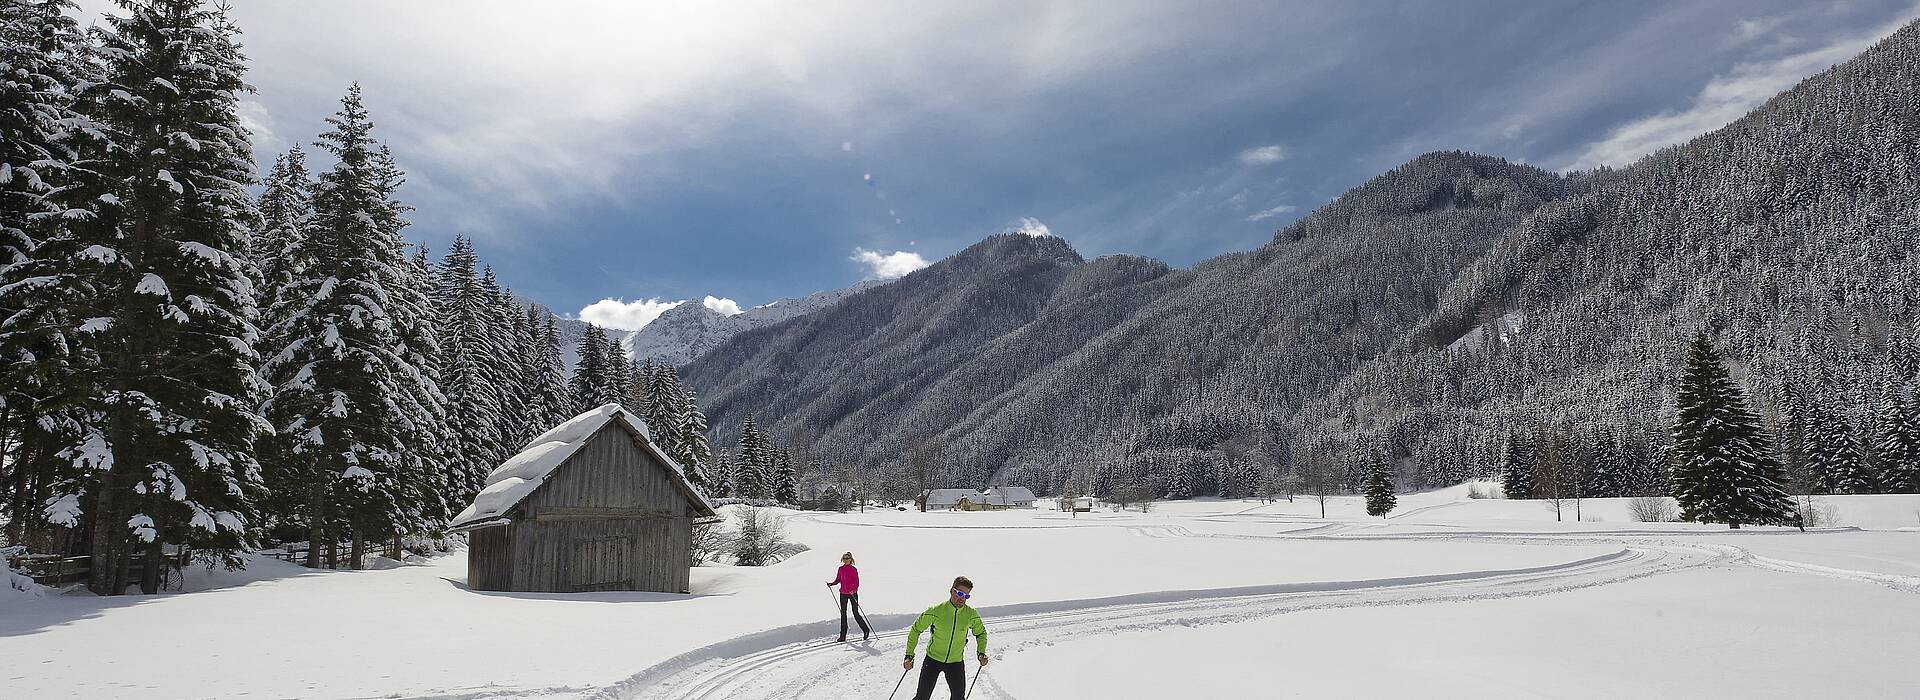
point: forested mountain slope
(1788, 235)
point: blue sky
(636, 151)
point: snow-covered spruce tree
(619, 383)
(555, 403)
(592, 380)
(721, 482)
(695, 452)
(1725, 469)
(152, 293)
(286, 205)
(506, 369)
(469, 348)
(1379, 487)
(1517, 466)
(412, 307)
(785, 479)
(664, 404)
(1896, 448)
(750, 479)
(42, 56)
(347, 400)
(1608, 475)
(1835, 456)
(526, 373)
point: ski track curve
(793, 662)
(778, 664)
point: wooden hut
(592, 505)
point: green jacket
(949, 643)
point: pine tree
(1726, 469)
(592, 382)
(1608, 478)
(1379, 487)
(664, 404)
(468, 351)
(286, 205)
(1897, 449)
(42, 56)
(1834, 455)
(504, 369)
(425, 417)
(348, 405)
(1517, 466)
(751, 479)
(695, 453)
(555, 402)
(151, 296)
(722, 480)
(618, 386)
(786, 488)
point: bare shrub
(760, 539)
(709, 542)
(1813, 512)
(1653, 509)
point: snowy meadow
(1450, 597)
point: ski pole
(976, 679)
(896, 684)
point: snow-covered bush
(19, 586)
(1653, 509)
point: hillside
(1787, 234)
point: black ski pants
(853, 598)
(930, 672)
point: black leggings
(862, 619)
(930, 671)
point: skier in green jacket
(947, 648)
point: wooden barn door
(600, 564)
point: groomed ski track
(795, 662)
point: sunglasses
(963, 594)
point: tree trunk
(110, 549)
(356, 557)
(333, 552)
(316, 525)
(152, 563)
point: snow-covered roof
(518, 477)
(1004, 495)
(948, 497)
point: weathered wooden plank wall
(643, 547)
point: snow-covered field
(1452, 597)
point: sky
(609, 158)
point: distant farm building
(1008, 496)
(592, 505)
(946, 499)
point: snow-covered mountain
(690, 329)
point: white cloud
(1032, 227)
(607, 99)
(1265, 214)
(627, 315)
(1264, 155)
(1724, 99)
(888, 265)
(724, 306)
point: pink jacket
(848, 578)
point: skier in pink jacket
(848, 579)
